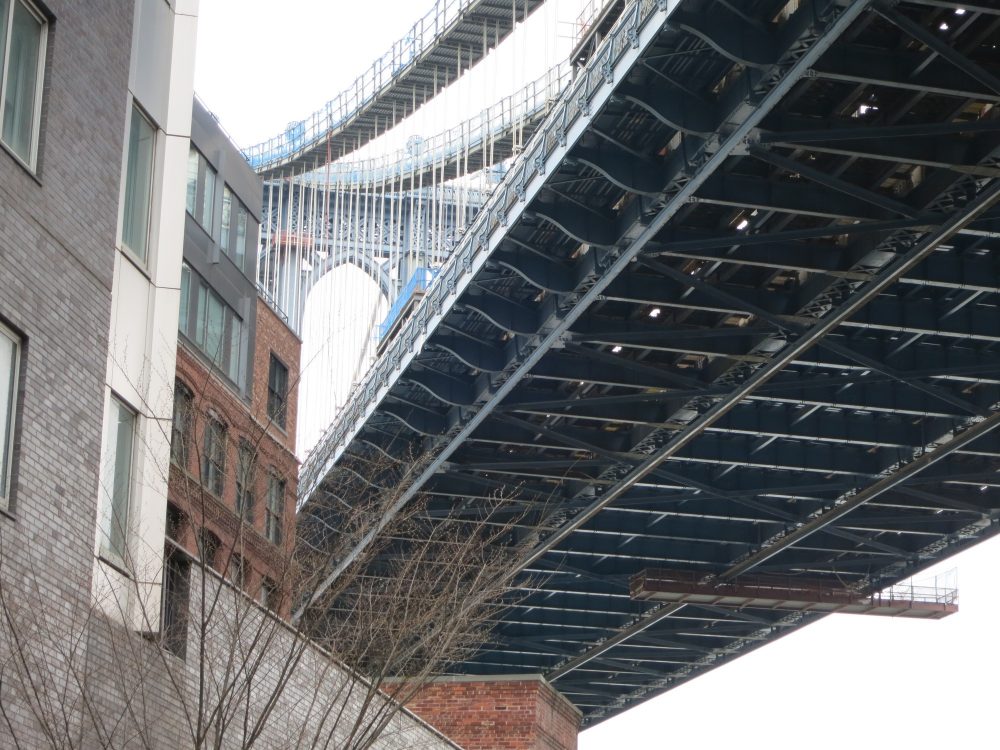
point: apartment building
(98, 258)
(234, 471)
(94, 139)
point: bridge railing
(937, 591)
(535, 98)
(403, 55)
(574, 104)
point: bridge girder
(782, 358)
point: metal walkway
(451, 38)
(734, 310)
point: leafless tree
(207, 666)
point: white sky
(848, 681)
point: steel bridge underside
(742, 316)
(457, 47)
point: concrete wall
(146, 293)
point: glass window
(277, 391)
(232, 355)
(208, 547)
(208, 199)
(22, 52)
(241, 239)
(239, 571)
(245, 480)
(275, 508)
(9, 351)
(200, 314)
(181, 428)
(177, 522)
(268, 594)
(116, 478)
(227, 213)
(211, 324)
(191, 199)
(200, 197)
(215, 323)
(176, 591)
(213, 463)
(138, 184)
(185, 297)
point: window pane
(208, 199)
(277, 391)
(245, 480)
(227, 210)
(192, 181)
(116, 477)
(183, 316)
(275, 506)
(214, 330)
(241, 238)
(214, 460)
(22, 81)
(199, 315)
(8, 377)
(138, 181)
(235, 336)
(4, 11)
(181, 428)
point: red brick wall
(244, 417)
(499, 714)
(274, 336)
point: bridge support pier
(513, 712)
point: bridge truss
(733, 311)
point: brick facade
(517, 713)
(273, 450)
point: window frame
(31, 163)
(277, 405)
(246, 475)
(107, 546)
(215, 482)
(180, 437)
(198, 214)
(8, 430)
(176, 600)
(196, 297)
(274, 510)
(140, 254)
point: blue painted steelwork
(387, 92)
(733, 310)
(419, 282)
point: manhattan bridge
(718, 290)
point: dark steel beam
(939, 45)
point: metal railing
(404, 54)
(534, 99)
(552, 135)
(939, 591)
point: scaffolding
(796, 593)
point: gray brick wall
(57, 240)
(57, 251)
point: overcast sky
(848, 681)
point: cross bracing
(733, 311)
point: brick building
(94, 153)
(234, 471)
